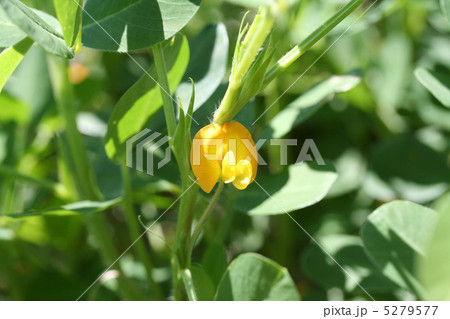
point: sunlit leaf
(39, 27)
(143, 99)
(10, 34)
(255, 277)
(10, 59)
(207, 64)
(395, 166)
(348, 253)
(69, 13)
(297, 187)
(434, 268)
(394, 235)
(308, 103)
(118, 25)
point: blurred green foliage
(375, 104)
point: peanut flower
(224, 151)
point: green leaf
(394, 235)
(13, 110)
(143, 99)
(349, 253)
(118, 25)
(434, 268)
(69, 13)
(252, 277)
(207, 64)
(297, 187)
(40, 28)
(10, 34)
(434, 84)
(204, 287)
(30, 83)
(83, 207)
(10, 59)
(396, 167)
(308, 103)
(214, 262)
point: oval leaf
(395, 166)
(118, 25)
(349, 253)
(39, 27)
(69, 14)
(252, 277)
(207, 65)
(298, 187)
(308, 103)
(434, 268)
(10, 34)
(143, 99)
(394, 235)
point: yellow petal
(228, 168)
(243, 174)
(206, 156)
(239, 141)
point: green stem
(180, 257)
(45, 184)
(135, 231)
(189, 284)
(163, 82)
(290, 57)
(63, 92)
(205, 215)
(82, 174)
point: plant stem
(180, 257)
(134, 228)
(290, 57)
(163, 82)
(189, 284)
(82, 174)
(205, 215)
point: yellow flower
(224, 151)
